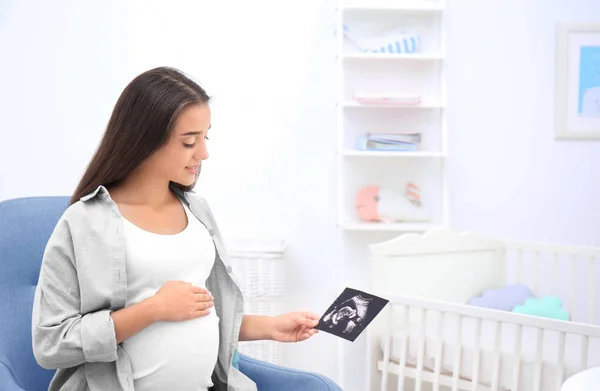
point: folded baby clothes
(389, 142)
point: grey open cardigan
(83, 279)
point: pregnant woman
(134, 290)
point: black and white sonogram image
(351, 313)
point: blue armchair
(22, 242)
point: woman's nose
(202, 154)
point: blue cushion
(26, 225)
(503, 299)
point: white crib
(428, 338)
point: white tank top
(171, 355)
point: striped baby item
(413, 194)
(394, 41)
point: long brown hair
(141, 123)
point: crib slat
(438, 353)
(585, 342)
(386, 349)
(537, 380)
(477, 355)
(573, 285)
(517, 361)
(560, 373)
(496, 369)
(555, 272)
(519, 265)
(404, 351)
(457, 355)
(536, 272)
(591, 296)
(421, 351)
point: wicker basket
(258, 267)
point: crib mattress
(507, 346)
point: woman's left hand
(294, 326)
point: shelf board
(393, 5)
(407, 154)
(388, 227)
(394, 56)
(426, 105)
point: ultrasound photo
(351, 313)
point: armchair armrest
(270, 377)
(7, 380)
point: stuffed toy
(381, 204)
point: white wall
(272, 166)
(509, 176)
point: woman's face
(179, 160)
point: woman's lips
(192, 169)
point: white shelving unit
(420, 73)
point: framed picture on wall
(577, 92)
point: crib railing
(398, 314)
(569, 272)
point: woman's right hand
(179, 300)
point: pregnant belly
(175, 355)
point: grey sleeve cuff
(98, 337)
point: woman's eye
(188, 145)
(206, 138)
